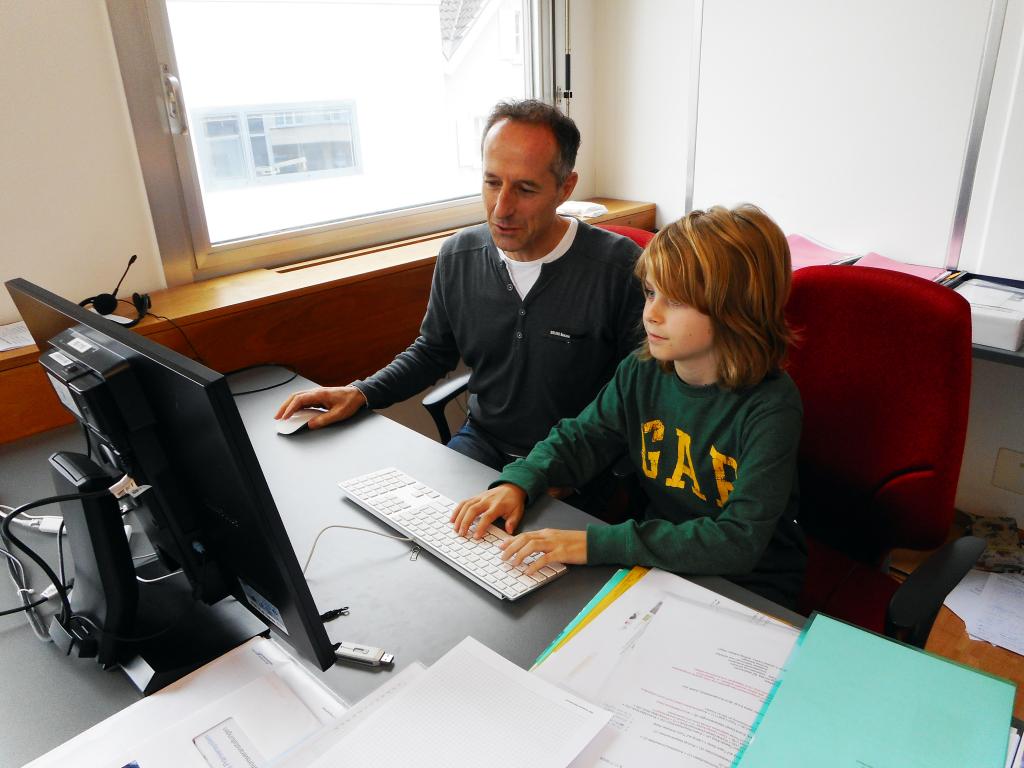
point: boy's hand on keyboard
(507, 501)
(341, 403)
(553, 546)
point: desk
(418, 609)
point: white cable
(158, 578)
(348, 528)
(16, 572)
(8, 509)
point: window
(316, 126)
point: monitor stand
(157, 631)
(191, 633)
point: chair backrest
(883, 364)
(639, 236)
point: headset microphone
(105, 303)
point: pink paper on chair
(807, 253)
(881, 262)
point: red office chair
(438, 398)
(883, 364)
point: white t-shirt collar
(525, 274)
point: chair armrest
(436, 400)
(916, 603)
(623, 467)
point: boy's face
(681, 334)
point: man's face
(520, 191)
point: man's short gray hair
(567, 135)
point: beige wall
(73, 206)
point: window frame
(141, 34)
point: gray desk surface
(415, 607)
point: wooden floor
(949, 638)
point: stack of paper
(14, 335)
(247, 707)
(851, 697)
(805, 252)
(582, 209)
(992, 608)
(997, 313)
(471, 708)
(934, 274)
(684, 670)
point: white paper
(472, 708)
(965, 599)
(271, 696)
(1014, 751)
(684, 671)
(268, 719)
(14, 335)
(304, 754)
(1001, 618)
(582, 209)
(226, 745)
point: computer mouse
(297, 422)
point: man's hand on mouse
(340, 403)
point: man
(540, 307)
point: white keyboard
(422, 514)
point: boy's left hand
(555, 546)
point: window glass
(311, 112)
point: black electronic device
(171, 424)
(106, 303)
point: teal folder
(851, 698)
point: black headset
(105, 303)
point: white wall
(996, 421)
(994, 239)
(642, 62)
(73, 204)
(879, 167)
(847, 122)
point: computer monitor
(171, 424)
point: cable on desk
(5, 528)
(348, 528)
(17, 574)
(158, 578)
(60, 553)
(291, 378)
(141, 638)
(6, 510)
(28, 607)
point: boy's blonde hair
(734, 267)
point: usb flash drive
(363, 654)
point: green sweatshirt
(718, 466)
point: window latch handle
(176, 119)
